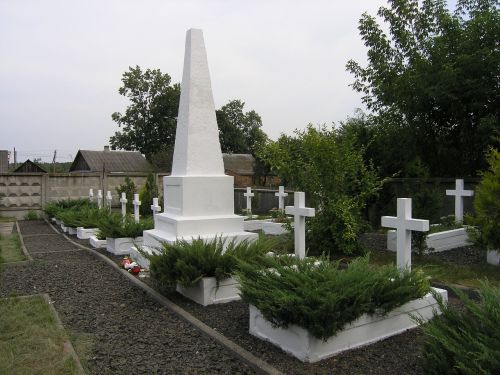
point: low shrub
(487, 205)
(54, 209)
(187, 263)
(148, 192)
(116, 226)
(87, 217)
(465, 341)
(31, 215)
(321, 298)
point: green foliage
(432, 83)
(31, 342)
(116, 226)
(465, 341)
(239, 132)
(487, 203)
(86, 217)
(149, 122)
(148, 192)
(187, 263)
(321, 298)
(445, 223)
(31, 215)
(54, 209)
(58, 167)
(330, 168)
(128, 187)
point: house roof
(29, 167)
(241, 164)
(110, 161)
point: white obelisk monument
(199, 197)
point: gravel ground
(132, 333)
(112, 309)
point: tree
(435, 78)
(149, 122)
(239, 132)
(337, 180)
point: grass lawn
(6, 219)
(466, 275)
(10, 249)
(30, 340)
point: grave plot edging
(122, 245)
(273, 228)
(437, 242)
(363, 331)
(207, 292)
(493, 257)
(97, 243)
(85, 233)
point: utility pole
(54, 162)
(15, 158)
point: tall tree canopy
(435, 77)
(239, 132)
(150, 120)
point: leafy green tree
(336, 178)
(149, 122)
(239, 132)
(434, 75)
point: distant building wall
(4, 161)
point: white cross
(91, 195)
(281, 197)
(136, 202)
(459, 193)
(249, 196)
(123, 201)
(155, 207)
(404, 224)
(109, 198)
(300, 212)
(99, 198)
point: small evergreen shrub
(54, 209)
(465, 341)
(321, 298)
(187, 263)
(487, 205)
(86, 217)
(148, 192)
(31, 215)
(116, 226)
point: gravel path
(135, 335)
(132, 333)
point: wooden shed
(110, 161)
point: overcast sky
(62, 61)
